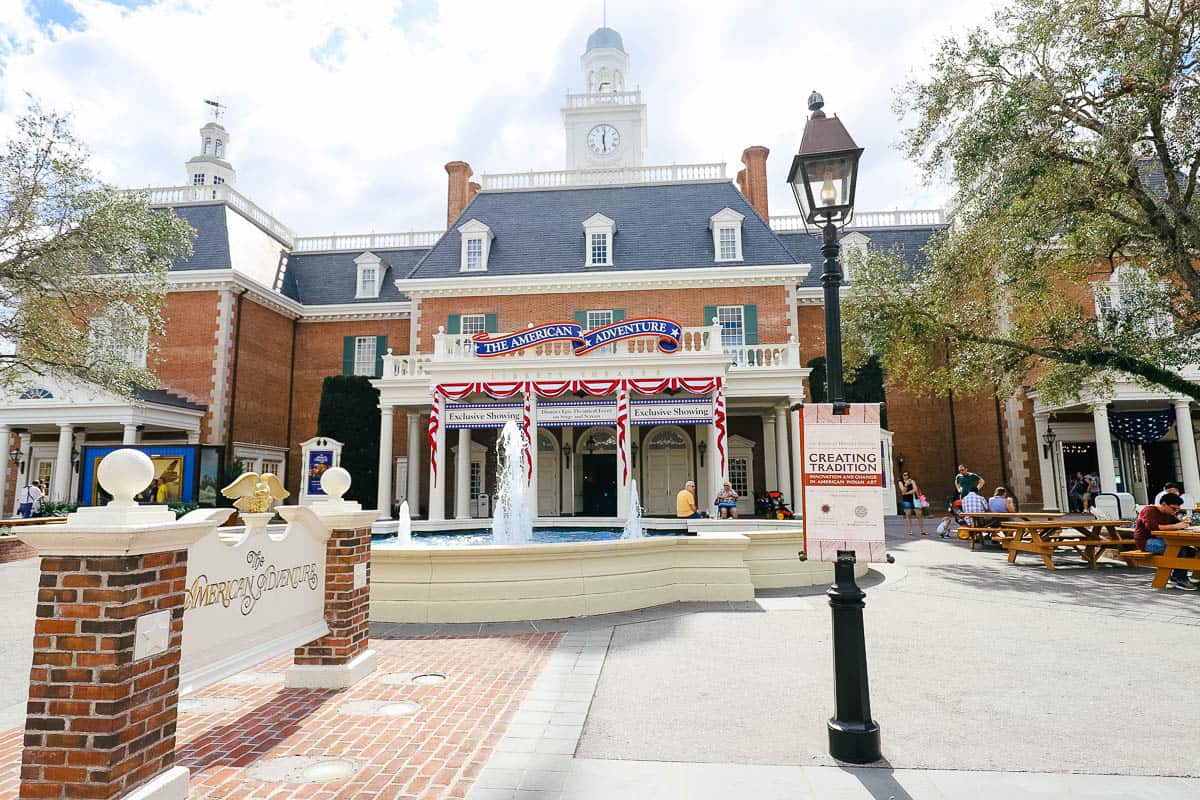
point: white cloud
(341, 115)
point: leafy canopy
(1071, 129)
(83, 266)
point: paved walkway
(988, 680)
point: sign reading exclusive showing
(679, 411)
(582, 342)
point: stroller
(949, 526)
(772, 506)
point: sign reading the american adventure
(842, 470)
(582, 342)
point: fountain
(404, 525)
(633, 525)
(511, 523)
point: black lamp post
(1048, 440)
(824, 177)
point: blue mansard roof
(911, 242)
(659, 226)
(331, 278)
(210, 250)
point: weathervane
(217, 108)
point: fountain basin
(502, 583)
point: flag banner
(842, 476)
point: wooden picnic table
(1042, 537)
(1171, 557)
(987, 524)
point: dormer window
(476, 245)
(598, 232)
(370, 275)
(854, 248)
(726, 227)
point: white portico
(596, 420)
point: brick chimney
(457, 192)
(741, 181)
(472, 190)
(754, 185)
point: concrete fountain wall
(548, 581)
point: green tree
(83, 266)
(1071, 130)
(350, 413)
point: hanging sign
(677, 411)
(573, 414)
(481, 415)
(582, 342)
(842, 476)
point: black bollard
(853, 735)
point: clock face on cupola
(604, 140)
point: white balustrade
(222, 193)
(405, 366)
(671, 173)
(871, 219)
(765, 356)
(628, 98)
(367, 241)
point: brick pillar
(472, 190)
(457, 191)
(754, 187)
(340, 658)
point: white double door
(666, 467)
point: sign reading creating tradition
(582, 413)
(842, 471)
(582, 342)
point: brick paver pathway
(251, 720)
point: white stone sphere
(125, 472)
(335, 481)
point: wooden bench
(976, 535)
(1086, 537)
(1171, 559)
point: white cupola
(211, 167)
(606, 124)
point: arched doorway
(547, 476)
(596, 481)
(666, 467)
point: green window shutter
(490, 323)
(380, 352)
(709, 313)
(581, 319)
(618, 314)
(454, 324)
(348, 355)
(750, 323)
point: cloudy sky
(341, 114)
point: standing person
(1170, 487)
(910, 501)
(685, 502)
(1163, 515)
(966, 481)
(1093, 488)
(727, 502)
(27, 498)
(1077, 492)
(1000, 502)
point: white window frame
(602, 226)
(198, 179)
(207, 146)
(727, 314)
(854, 246)
(478, 323)
(262, 458)
(219, 148)
(475, 231)
(218, 180)
(725, 220)
(360, 350)
(120, 314)
(1107, 295)
(367, 264)
(598, 318)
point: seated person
(973, 503)
(727, 502)
(1000, 502)
(1163, 515)
(685, 502)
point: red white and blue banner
(582, 342)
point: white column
(437, 491)
(61, 482)
(531, 491)
(795, 502)
(1187, 449)
(769, 458)
(704, 502)
(568, 473)
(784, 481)
(387, 414)
(5, 441)
(414, 457)
(24, 444)
(623, 486)
(129, 434)
(1104, 451)
(462, 475)
(1041, 424)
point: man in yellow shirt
(685, 502)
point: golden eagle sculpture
(253, 493)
